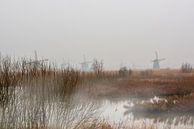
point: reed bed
(31, 94)
(42, 96)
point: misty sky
(117, 31)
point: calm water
(31, 106)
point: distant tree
(97, 66)
(124, 72)
(186, 68)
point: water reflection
(144, 109)
(34, 108)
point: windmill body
(85, 65)
(156, 62)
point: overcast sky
(117, 31)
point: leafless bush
(186, 68)
(97, 66)
(124, 72)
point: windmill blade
(84, 57)
(43, 60)
(89, 62)
(156, 55)
(36, 61)
(85, 60)
(153, 60)
(83, 63)
(31, 62)
(35, 55)
(162, 59)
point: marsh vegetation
(42, 96)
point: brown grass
(50, 82)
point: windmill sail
(156, 62)
(36, 62)
(156, 55)
(85, 64)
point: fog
(117, 31)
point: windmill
(85, 64)
(65, 65)
(36, 62)
(156, 62)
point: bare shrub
(124, 72)
(97, 66)
(186, 68)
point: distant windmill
(65, 65)
(156, 62)
(85, 64)
(36, 62)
